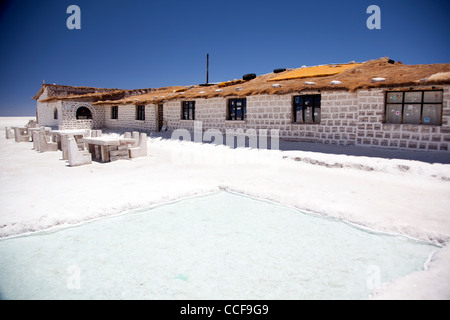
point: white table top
(102, 141)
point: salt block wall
(127, 118)
(338, 123)
(346, 119)
(338, 113)
(212, 113)
(45, 113)
(70, 121)
(372, 131)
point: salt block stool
(44, 144)
(9, 133)
(141, 146)
(77, 157)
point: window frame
(421, 104)
(314, 107)
(115, 112)
(232, 104)
(140, 112)
(186, 106)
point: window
(414, 107)
(237, 109)
(55, 114)
(115, 112)
(188, 110)
(140, 112)
(83, 113)
(307, 108)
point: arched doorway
(83, 113)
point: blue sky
(144, 43)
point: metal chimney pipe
(207, 68)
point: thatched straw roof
(372, 74)
(61, 90)
(350, 77)
(96, 96)
(317, 71)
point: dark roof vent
(279, 70)
(391, 61)
(249, 76)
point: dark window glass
(115, 112)
(394, 113)
(432, 96)
(411, 113)
(140, 113)
(237, 109)
(394, 97)
(431, 114)
(414, 107)
(188, 110)
(307, 108)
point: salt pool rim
(63, 226)
(224, 188)
(335, 219)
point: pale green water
(220, 246)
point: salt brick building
(379, 103)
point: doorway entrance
(159, 117)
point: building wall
(346, 119)
(45, 112)
(338, 114)
(69, 120)
(127, 118)
(372, 131)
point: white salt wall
(372, 130)
(346, 119)
(127, 118)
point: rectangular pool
(219, 246)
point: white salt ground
(407, 197)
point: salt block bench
(9, 133)
(44, 142)
(75, 156)
(37, 129)
(63, 142)
(21, 134)
(35, 137)
(121, 152)
(140, 149)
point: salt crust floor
(400, 196)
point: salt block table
(57, 135)
(105, 144)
